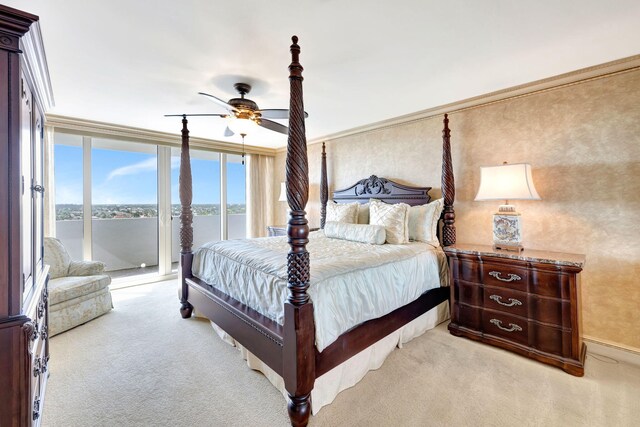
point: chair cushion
(57, 257)
(66, 288)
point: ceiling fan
(245, 114)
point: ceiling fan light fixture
(241, 126)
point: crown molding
(108, 130)
(574, 77)
(37, 68)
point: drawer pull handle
(512, 326)
(511, 277)
(511, 303)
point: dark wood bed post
(448, 188)
(324, 188)
(186, 220)
(299, 330)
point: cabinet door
(38, 193)
(26, 165)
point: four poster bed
(277, 323)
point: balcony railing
(127, 243)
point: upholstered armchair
(78, 290)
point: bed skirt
(351, 371)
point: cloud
(148, 165)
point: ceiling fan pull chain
(243, 135)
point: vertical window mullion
(224, 233)
(164, 210)
(87, 245)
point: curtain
(260, 194)
(49, 185)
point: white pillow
(363, 233)
(423, 222)
(342, 212)
(394, 218)
(363, 213)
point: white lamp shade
(283, 192)
(241, 126)
(507, 182)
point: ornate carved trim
(186, 214)
(372, 186)
(448, 188)
(324, 188)
(383, 189)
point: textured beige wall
(583, 142)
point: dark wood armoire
(25, 93)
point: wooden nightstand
(527, 302)
(281, 230)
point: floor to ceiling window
(236, 197)
(124, 205)
(67, 157)
(118, 201)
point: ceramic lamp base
(507, 231)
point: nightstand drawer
(550, 284)
(506, 300)
(470, 317)
(505, 276)
(468, 293)
(515, 329)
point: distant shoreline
(69, 212)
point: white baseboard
(614, 351)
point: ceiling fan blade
(273, 126)
(275, 113)
(228, 132)
(218, 101)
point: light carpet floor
(143, 365)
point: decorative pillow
(423, 222)
(394, 218)
(342, 212)
(363, 213)
(363, 233)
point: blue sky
(121, 177)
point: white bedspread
(350, 282)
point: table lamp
(507, 182)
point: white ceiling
(131, 62)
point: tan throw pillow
(423, 222)
(394, 218)
(363, 213)
(342, 212)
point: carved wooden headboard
(382, 189)
(392, 192)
